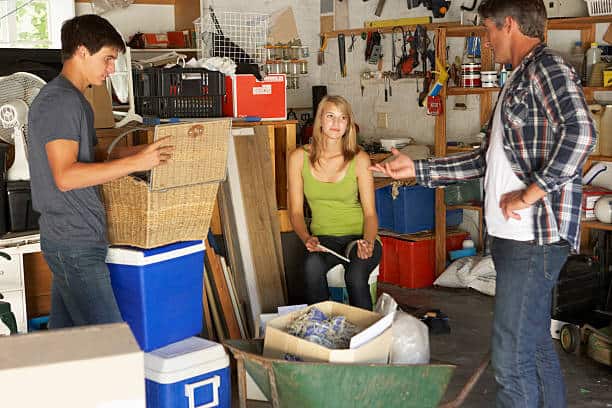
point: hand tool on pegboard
(342, 54)
(321, 53)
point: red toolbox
(247, 97)
(411, 263)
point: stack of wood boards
(250, 224)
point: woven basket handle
(196, 131)
(121, 136)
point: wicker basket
(176, 204)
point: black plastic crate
(179, 92)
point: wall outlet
(382, 120)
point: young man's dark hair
(91, 31)
(529, 14)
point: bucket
(489, 79)
(470, 81)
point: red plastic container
(246, 96)
(411, 264)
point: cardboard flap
(199, 156)
(102, 106)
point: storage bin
(188, 374)
(21, 215)
(178, 92)
(247, 96)
(176, 200)
(412, 211)
(599, 7)
(384, 207)
(411, 264)
(159, 291)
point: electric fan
(17, 91)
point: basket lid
(199, 156)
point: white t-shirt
(500, 179)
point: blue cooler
(193, 373)
(159, 291)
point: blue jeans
(526, 365)
(81, 292)
(357, 272)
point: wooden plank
(213, 307)
(141, 1)
(439, 151)
(253, 161)
(185, 11)
(486, 107)
(231, 216)
(209, 329)
(234, 298)
(223, 294)
(37, 277)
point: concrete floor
(589, 384)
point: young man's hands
(153, 155)
(401, 167)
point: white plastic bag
(410, 340)
(410, 335)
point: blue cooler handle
(190, 391)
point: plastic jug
(593, 56)
(605, 133)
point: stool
(337, 286)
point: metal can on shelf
(274, 67)
(303, 67)
(471, 81)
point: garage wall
(405, 118)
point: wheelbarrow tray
(305, 385)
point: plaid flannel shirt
(548, 135)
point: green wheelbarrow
(293, 384)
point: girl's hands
(312, 244)
(365, 248)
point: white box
(90, 366)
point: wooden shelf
(596, 225)
(455, 149)
(571, 23)
(598, 157)
(458, 90)
(161, 50)
(473, 207)
(455, 29)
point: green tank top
(335, 207)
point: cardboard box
(100, 101)
(90, 366)
(277, 342)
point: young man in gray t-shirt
(65, 178)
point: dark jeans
(81, 292)
(357, 272)
(526, 365)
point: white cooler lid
(184, 359)
(140, 257)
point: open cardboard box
(102, 105)
(89, 366)
(277, 342)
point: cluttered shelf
(596, 225)
(161, 50)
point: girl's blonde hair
(349, 140)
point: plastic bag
(410, 340)
(102, 6)
(410, 335)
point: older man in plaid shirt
(538, 139)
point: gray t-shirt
(76, 217)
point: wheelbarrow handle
(471, 382)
